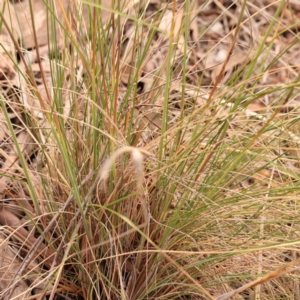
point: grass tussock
(150, 150)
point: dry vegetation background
(209, 83)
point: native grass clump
(149, 149)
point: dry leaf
(236, 59)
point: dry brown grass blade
(279, 272)
(225, 13)
(8, 267)
(7, 218)
(39, 241)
